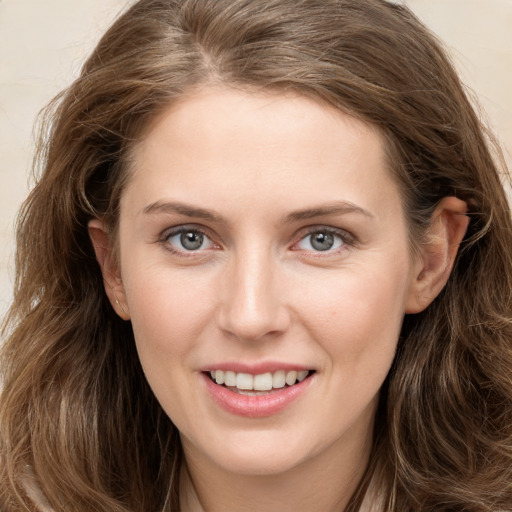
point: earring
(119, 304)
(116, 299)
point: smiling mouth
(247, 384)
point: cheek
(168, 312)
(168, 315)
(357, 315)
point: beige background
(43, 43)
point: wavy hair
(76, 410)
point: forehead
(262, 116)
(247, 146)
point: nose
(253, 304)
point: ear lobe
(111, 277)
(437, 253)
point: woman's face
(262, 238)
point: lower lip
(255, 406)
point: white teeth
(291, 377)
(260, 382)
(279, 379)
(263, 382)
(302, 375)
(244, 381)
(230, 379)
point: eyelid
(170, 232)
(349, 240)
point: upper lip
(255, 368)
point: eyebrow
(183, 209)
(334, 208)
(329, 209)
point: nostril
(253, 325)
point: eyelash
(345, 238)
(181, 230)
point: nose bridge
(253, 304)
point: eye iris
(191, 240)
(322, 241)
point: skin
(258, 291)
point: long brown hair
(76, 411)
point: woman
(267, 267)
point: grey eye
(321, 241)
(191, 240)
(187, 240)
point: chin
(261, 453)
(257, 465)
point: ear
(109, 268)
(437, 253)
